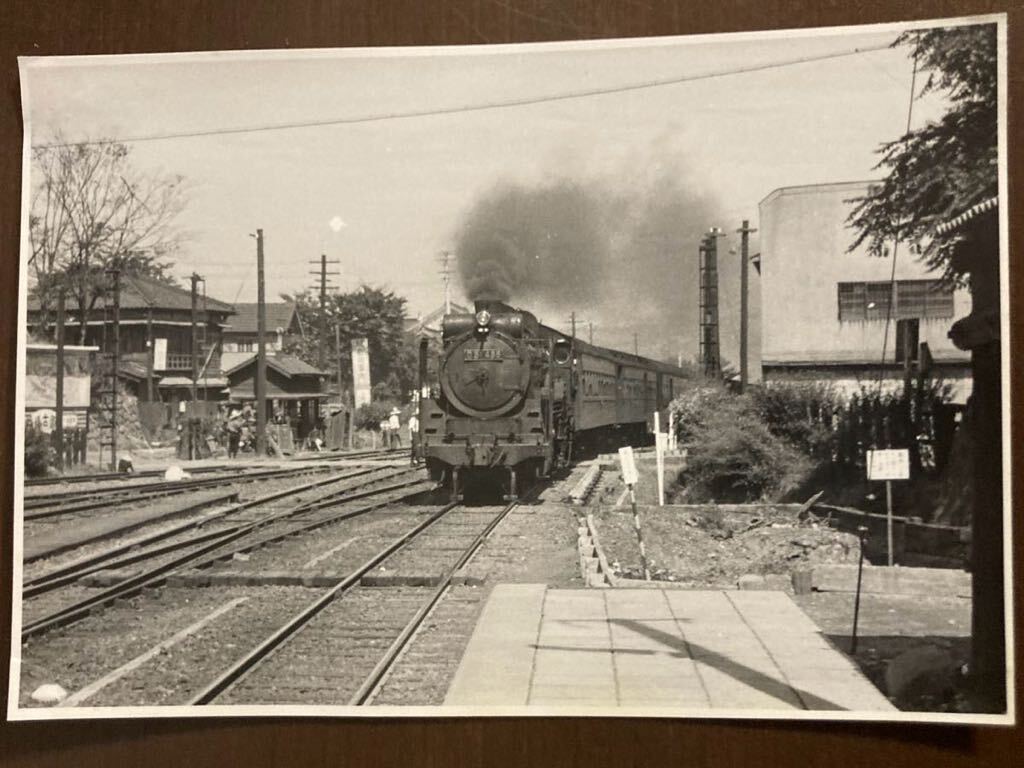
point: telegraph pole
(744, 231)
(572, 320)
(195, 341)
(446, 277)
(591, 324)
(636, 344)
(323, 273)
(260, 385)
(60, 379)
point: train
(511, 400)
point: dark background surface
(41, 27)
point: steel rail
(158, 574)
(99, 477)
(167, 533)
(374, 679)
(54, 505)
(253, 658)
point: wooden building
(296, 391)
(242, 336)
(155, 338)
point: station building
(241, 337)
(824, 307)
(155, 338)
(296, 391)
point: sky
(399, 189)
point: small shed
(295, 391)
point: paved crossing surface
(664, 648)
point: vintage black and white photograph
(657, 377)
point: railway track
(232, 535)
(103, 477)
(361, 629)
(44, 506)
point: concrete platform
(665, 648)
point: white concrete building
(825, 308)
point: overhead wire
(895, 246)
(464, 108)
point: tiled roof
(279, 315)
(286, 364)
(139, 292)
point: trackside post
(629, 477)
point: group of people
(239, 429)
(391, 431)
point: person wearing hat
(395, 428)
(234, 428)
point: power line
(895, 248)
(472, 107)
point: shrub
(39, 453)
(370, 415)
(799, 413)
(732, 455)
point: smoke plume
(621, 251)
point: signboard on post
(361, 372)
(629, 473)
(889, 464)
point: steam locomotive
(512, 399)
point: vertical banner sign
(160, 354)
(361, 371)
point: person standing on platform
(234, 429)
(414, 438)
(395, 428)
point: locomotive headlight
(483, 317)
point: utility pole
(744, 231)
(195, 339)
(323, 273)
(59, 426)
(446, 277)
(150, 354)
(591, 324)
(260, 385)
(636, 344)
(572, 320)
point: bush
(370, 415)
(732, 455)
(798, 413)
(39, 453)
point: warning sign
(889, 464)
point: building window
(910, 299)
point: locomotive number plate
(473, 355)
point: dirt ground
(891, 625)
(700, 546)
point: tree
(373, 313)
(935, 174)
(940, 170)
(92, 211)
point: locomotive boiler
(512, 399)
